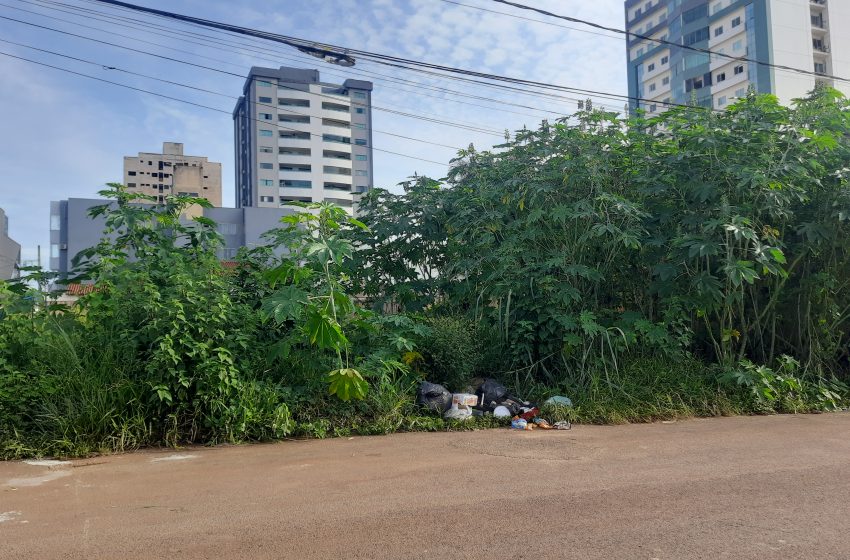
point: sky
(65, 135)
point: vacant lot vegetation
(695, 263)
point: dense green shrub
(692, 263)
(452, 351)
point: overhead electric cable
(389, 60)
(215, 70)
(195, 104)
(384, 76)
(663, 41)
(204, 90)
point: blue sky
(65, 136)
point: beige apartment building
(171, 172)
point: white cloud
(65, 136)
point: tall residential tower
(300, 139)
(811, 35)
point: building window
(665, 80)
(265, 99)
(359, 95)
(653, 108)
(266, 116)
(695, 37)
(131, 173)
(720, 77)
(651, 87)
(359, 110)
(360, 141)
(739, 69)
(736, 22)
(360, 157)
(336, 138)
(716, 7)
(266, 183)
(54, 251)
(288, 102)
(740, 92)
(361, 173)
(266, 199)
(694, 14)
(665, 59)
(721, 101)
(650, 68)
(296, 184)
(264, 83)
(359, 125)
(718, 31)
(820, 68)
(266, 149)
(737, 45)
(266, 133)
(639, 52)
(266, 166)
(131, 185)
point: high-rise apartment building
(171, 172)
(10, 251)
(300, 139)
(811, 35)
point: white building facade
(299, 139)
(810, 35)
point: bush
(452, 351)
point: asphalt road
(763, 487)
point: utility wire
(200, 105)
(388, 60)
(146, 28)
(277, 54)
(189, 86)
(214, 70)
(664, 41)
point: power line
(204, 90)
(179, 61)
(277, 54)
(146, 28)
(200, 105)
(664, 41)
(388, 60)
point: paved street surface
(764, 487)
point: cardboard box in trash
(464, 399)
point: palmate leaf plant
(309, 289)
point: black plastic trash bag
(433, 397)
(491, 394)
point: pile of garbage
(488, 396)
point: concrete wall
(10, 251)
(76, 231)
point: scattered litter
(501, 412)
(433, 397)
(486, 396)
(461, 408)
(542, 423)
(559, 401)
